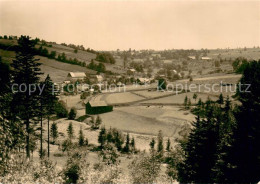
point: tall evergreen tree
(54, 131)
(243, 156)
(26, 73)
(70, 131)
(102, 137)
(127, 144)
(50, 99)
(200, 149)
(81, 137)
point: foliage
(109, 154)
(105, 57)
(100, 67)
(144, 169)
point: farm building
(205, 58)
(74, 76)
(131, 71)
(97, 107)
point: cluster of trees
(22, 109)
(68, 144)
(239, 65)
(105, 57)
(115, 137)
(137, 66)
(6, 37)
(100, 67)
(223, 146)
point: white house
(205, 58)
(192, 57)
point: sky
(145, 24)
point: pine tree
(126, 148)
(50, 99)
(160, 144)
(220, 99)
(243, 156)
(98, 122)
(195, 96)
(26, 72)
(72, 114)
(132, 144)
(168, 147)
(81, 137)
(54, 132)
(152, 144)
(70, 131)
(185, 102)
(102, 137)
(200, 150)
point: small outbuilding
(97, 107)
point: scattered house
(96, 78)
(74, 76)
(192, 57)
(131, 71)
(120, 84)
(156, 55)
(206, 58)
(174, 72)
(143, 81)
(167, 61)
(138, 60)
(97, 107)
(66, 82)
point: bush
(144, 169)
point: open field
(179, 99)
(126, 97)
(147, 120)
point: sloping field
(143, 120)
(69, 52)
(58, 70)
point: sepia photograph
(129, 91)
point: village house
(74, 76)
(206, 58)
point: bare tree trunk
(41, 138)
(48, 136)
(28, 138)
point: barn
(97, 107)
(74, 76)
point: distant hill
(58, 70)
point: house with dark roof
(97, 107)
